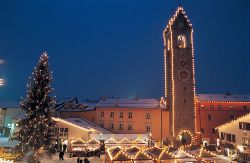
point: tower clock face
(183, 75)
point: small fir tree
(37, 128)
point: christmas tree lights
(37, 130)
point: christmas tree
(37, 129)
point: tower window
(181, 41)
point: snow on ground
(55, 159)
(5, 142)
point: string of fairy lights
(144, 153)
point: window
(213, 130)
(148, 128)
(202, 107)
(102, 114)
(222, 135)
(231, 106)
(121, 126)
(148, 116)
(202, 130)
(130, 127)
(233, 138)
(111, 114)
(63, 132)
(101, 124)
(211, 106)
(228, 136)
(219, 106)
(245, 141)
(181, 41)
(121, 114)
(130, 115)
(209, 117)
(232, 117)
(111, 126)
(244, 126)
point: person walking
(61, 154)
(86, 160)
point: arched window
(181, 41)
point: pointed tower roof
(179, 11)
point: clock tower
(180, 77)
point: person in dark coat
(78, 160)
(61, 154)
(64, 147)
(86, 160)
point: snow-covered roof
(234, 120)
(129, 103)
(223, 97)
(71, 104)
(84, 124)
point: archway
(185, 138)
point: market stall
(81, 148)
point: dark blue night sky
(115, 47)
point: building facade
(214, 110)
(183, 114)
(237, 133)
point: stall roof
(85, 124)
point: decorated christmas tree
(37, 129)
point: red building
(214, 110)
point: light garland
(112, 140)
(90, 141)
(139, 140)
(194, 89)
(172, 80)
(210, 101)
(124, 140)
(72, 124)
(78, 139)
(192, 138)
